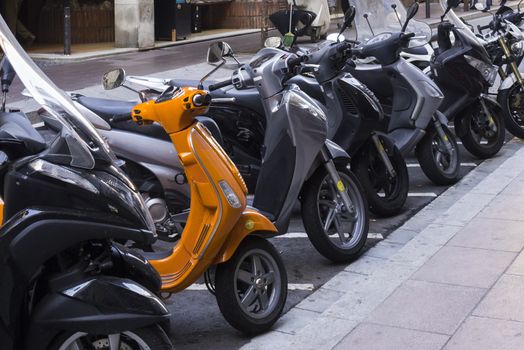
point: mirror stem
(127, 87)
(201, 83)
(4, 101)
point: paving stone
(491, 234)
(517, 268)
(465, 267)
(320, 300)
(359, 302)
(384, 250)
(269, 340)
(401, 236)
(488, 334)
(437, 234)
(516, 188)
(462, 212)
(294, 320)
(366, 265)
(378, 337)
(345, 281)
(324, 333)
(505, 300)
(505, 207)
(415, 253)
(429, 307)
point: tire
(147, 338)
(236, 279)
(386, 196)
(317, 204)
(476, 129)
(439, 166)
(513, 109)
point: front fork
(509, 56)
(339, 184)
(384, 156)
(442, 135)
(488, 115)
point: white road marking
(422, 194)
(304, 235)
(417, 165)
(290, 286)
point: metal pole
(67, 30)
(265, 15)
(428, 8)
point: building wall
(239, 14)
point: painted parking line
(422, 194)
(304, 235)
(417, 165)
(290, 286)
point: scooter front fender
(251, 222)
(336, 152)
(509, 81)
(99, 305)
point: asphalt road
(197, 322)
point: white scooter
(308, 17)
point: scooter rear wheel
(337, 233)
(386, 195)
(148, 338)
(251, 287)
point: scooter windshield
(453, 18)
(84, 143)
(375, 17)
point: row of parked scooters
(87, 194)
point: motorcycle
(68, 279)
(311, 18)
(464, 72)
(410, 99)
(505, 45)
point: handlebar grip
(343, 46)
(220, 85)
(408, 36)
(481, 28)
(295, 61)
(121, 118)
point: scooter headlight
(63, 174)
(518, 48)
(230, 195)
(488, 71)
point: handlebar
(481, 28)
(220, 85)
(296, 61)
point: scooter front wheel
(251, 287)
(386, 194)
(148, 338)
(337, 232)
(482, 135)
(439, 164)
(512, 102)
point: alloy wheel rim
(335, 218)
(257, 283)
(445, 161)
(118, 341)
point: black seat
(419, 50)
(108, 109)
(18, 135)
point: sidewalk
(452, 277)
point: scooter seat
(15, 127)
(108, 109)
(419, 50)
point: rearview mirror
(349, 15)
(273, 41)
(217, 51)
(113, 79)
(411, 12)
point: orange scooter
(250, 278)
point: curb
(323, 319)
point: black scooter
(66, 282)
